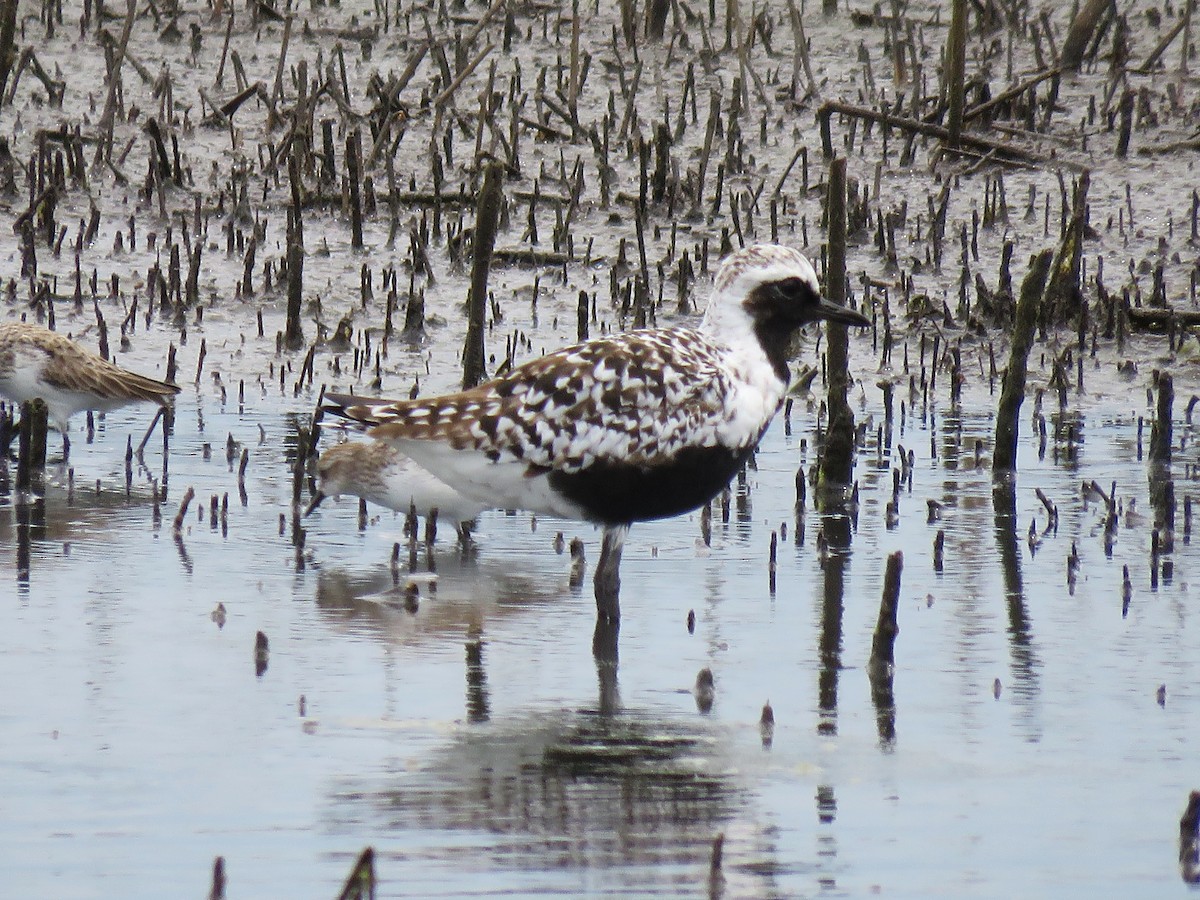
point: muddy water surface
(142, 743)
(1040, 736)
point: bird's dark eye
(791, 289)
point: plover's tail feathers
(362, 412)
(453, 418)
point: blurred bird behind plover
(381, 474)
(37, 363)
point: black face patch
(779, 309)
(791, 302)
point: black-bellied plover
(625, 428)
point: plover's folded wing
(636, 402)
(635, 397)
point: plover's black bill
(843, 315)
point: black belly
(616, 494)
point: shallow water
(1024, 751)
(145, 744)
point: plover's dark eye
(792, 289)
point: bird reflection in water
(630, 794)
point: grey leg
(608, 574)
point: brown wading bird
(379, 473)
(626, 428)
(36, 363)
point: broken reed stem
(304, 446)
(1051, 509)
(1002, 149)
(714, 859)
(217, 890)
(462, 76)
(1012, 392)
(354, 175)
(883, 643)
(1189, 839)
(470, 37)
(1160, 431)
(800, 41)
(9, 426)
(8, 34)
(1011, 94)
(1062, 297)
(837, 462)
(104, 144)
(149, 431)
(31, 444)
(1160, 48)
(487, 221)
(277, 91)
(714, 118)
(177, 525)
(956, 65)
(219, 80)
(361, 882)
(1080, 32)
(294, 335)
(1125, 131)
(573, 84)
